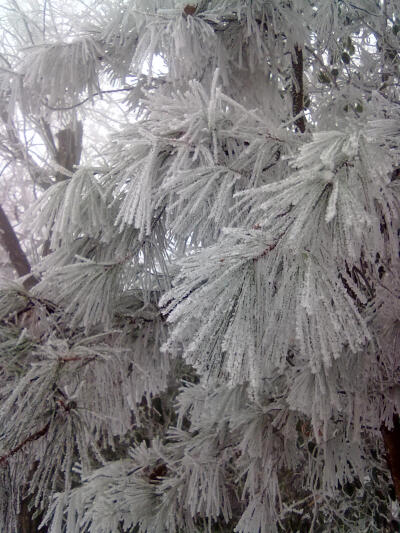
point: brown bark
(26, 522)
(10, 243)
(69, 148)
(298, 88)
(391, 439)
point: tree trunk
(10, 243)
(26, 522)
(298, 88)
(391, 439)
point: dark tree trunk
(10, 243)
(298, 88)
(26, 522)
(391, 439)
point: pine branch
(68, 155)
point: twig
(99, 93)
(41, 433)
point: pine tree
(208, 339)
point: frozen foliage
(211, 342)
(42, 64)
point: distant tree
(208, 338)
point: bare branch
(41, 433)
(68, 108)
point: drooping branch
(298, 88)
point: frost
(211, 339)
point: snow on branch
(61, 72)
